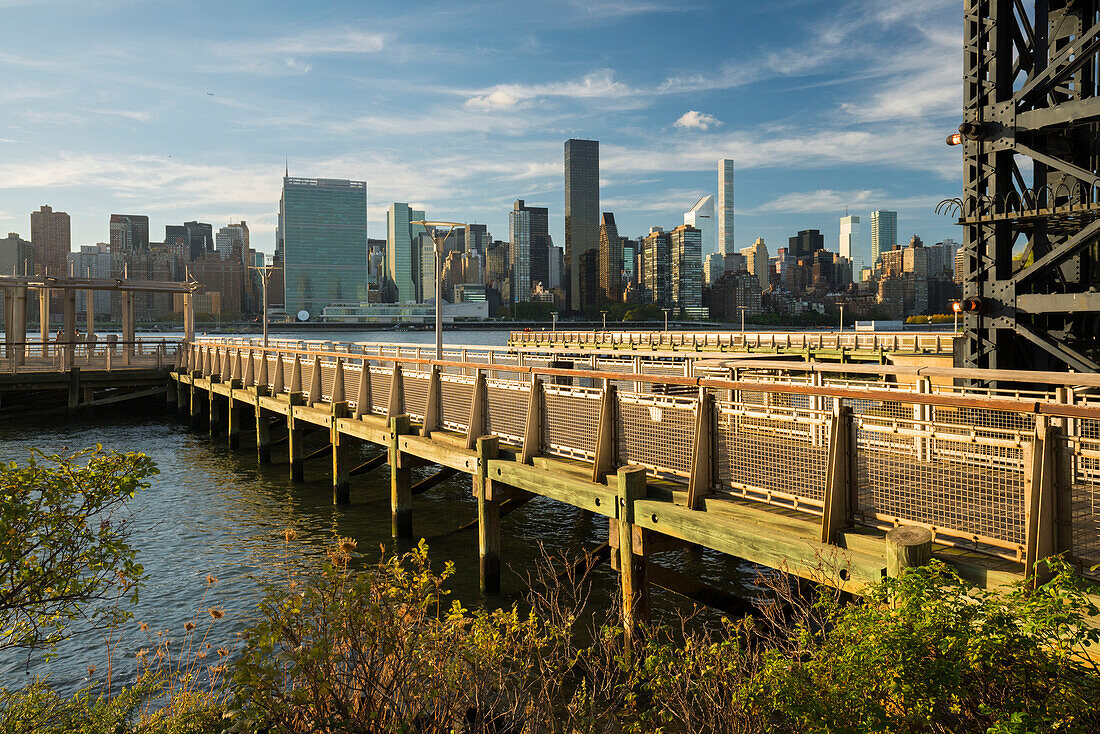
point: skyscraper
(52, 240)
(701, 216)
(129, 233)
(403, 249)
(324, 231)
(539, 242)
(806, 242)
(611, 259)
(582, 220)
(686, 281)
(655, 267)
(519, 237)
(230, 238)
(884, 233)
(851, 244)
(727, 245)
(200, 238)
(757, 261)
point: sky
(189, 110)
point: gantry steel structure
(1030, 207)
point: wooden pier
(786, 473)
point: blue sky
(186, 110)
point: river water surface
(215, 511)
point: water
(215, 511)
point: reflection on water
(215, 511)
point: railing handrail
(896, 396)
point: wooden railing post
(1042, 477)
(607, 446)
(315, 395)
(532, 433)
(296, 375)
(338, 383)
(397, 394)
(840, 478)
(702, 475)
(433, 408)
(631, 486)
(362, 395)
(279, 380)
(479, 399)
(488, 516)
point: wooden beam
(702, 475)
(631, 487)
(581, 493)
(479, 406)
(370, 464)
(692, 588)
(607, 445)
(532, 434)
(425, 484)
(841, 475)
(1041, 509)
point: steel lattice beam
(1031, 191)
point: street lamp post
(265, 273)
(742, 322)
(438, 247)
(554, 316)
(604, 320)
(841, 319)
(666, 317)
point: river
(215, 511)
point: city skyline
(490, 129)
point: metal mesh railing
(657, 432)
(506, 413)
(570, 416)
(775, 455)
(457, 392)
(380, 379)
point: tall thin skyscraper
(851, 244)
(324, 231)
(519, 238)
(582, 220)
(884, 233)
(402, 250)
(701, 216)
(611, 259)
(52, 240)
(539, 242)
(727, 244)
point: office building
(403, 250)
(757, 262)
(324, 233)
(93, 261)
(655, 267)
(232, 238)
(686, 274)
(582, 221)
(199, 237)
(519, 239)
(851, 244)
(538, 241)
(16, 255)
(129, 233)
(52, 240)
(884, 233)
(611, 259)
(701, 216)
(727, 244)
(805, 243)
(477, 238)
(714, 266)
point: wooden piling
(196, 397)
(488, 516)
(907, 546)
(341, 457)
(263, 432)
(400, 481)
(295, 438)
(233, 415)
(631, 486)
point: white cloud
(136, 115)
(834, 201)
(599, 84)
(695, 120)
(497, 99)
(287, 54)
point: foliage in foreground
(382, 650)
(63, 545)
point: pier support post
(400, 481)
(907, 546)
(234, 417)
(215, 422)
(488, 516)
(196, 404)
(263, 430)
(74, 388)
(294, 439)
(341, 457)
(182, 397)
(631, 484)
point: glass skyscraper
(582, 221)
(884, 233)
(403, 260)
(323, 232)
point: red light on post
(955, 139)
(956, 307)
